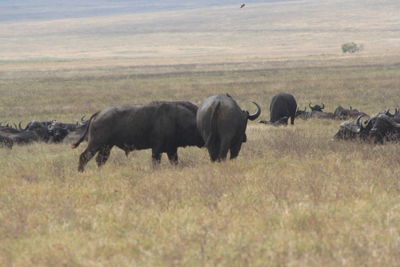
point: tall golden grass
(292, 197)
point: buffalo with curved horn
(222, 124)
(316, 107)
(353, 129)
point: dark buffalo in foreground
(222, 124)
(161, 126)
(283, 105)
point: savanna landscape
(293, 197)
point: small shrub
(351, 47)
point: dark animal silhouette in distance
(242, 5)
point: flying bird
(242, 5)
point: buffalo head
(351, 130)
(316, 107)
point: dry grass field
(293, 197)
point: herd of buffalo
(218, 124)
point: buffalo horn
(323, 106)
(364, 123)
(254, 116)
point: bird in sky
(242, 5)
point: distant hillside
(298, 28)
(25, 10)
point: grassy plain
(274, 30)
(292, 197)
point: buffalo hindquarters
(222, 124)
(283, 105)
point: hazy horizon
(26, 10)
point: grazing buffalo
(161, 126)
(222, 124)
(283, 105)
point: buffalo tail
(213, 126)
(83, 136)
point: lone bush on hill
(351, 47)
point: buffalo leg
(235, 150)
(84, 158)
(103, 155)
(292, 120)
(173, 156)
(213, 150)
(156, 157)
(223, 151)
(213, 154)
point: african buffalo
(302, 114)
(315, 114)
(283, 105)
(59, 131)
(385, 127)
(161, 126)
(34, 131)
(222, 124)
(281, 121)
(341, 113)
(379, 127)
(317, 107)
